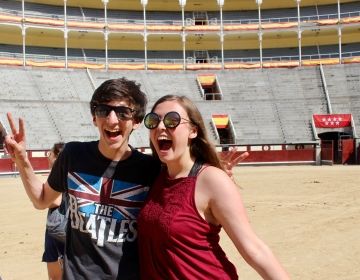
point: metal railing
(189, 21)
(49, 57)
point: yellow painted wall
(10, 35)
(137, 44)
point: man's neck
(122, 153)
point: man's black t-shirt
(104, 200)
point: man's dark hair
(121, 89)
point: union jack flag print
(91, 191)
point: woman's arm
(221, 203)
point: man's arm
(40, 194)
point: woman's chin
(164, 155)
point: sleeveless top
(175, 242)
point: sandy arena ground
(308, 215)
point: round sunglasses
(122, 112)
(170, 120)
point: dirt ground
(308, 215)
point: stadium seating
(268, 98)
(343, 87)
(265, 106)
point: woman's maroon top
(175, 242)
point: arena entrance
(337, 147)
(336, 132)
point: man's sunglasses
(170, 120)
(122, 112)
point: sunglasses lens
(102, 111)
(172, 120)
(151, 120)
(122, 113)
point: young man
(106, 182)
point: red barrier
(40, 163)
(258, 154)
(281, 156)
(348, 151)
(6, 165)
(38, 160)
(327, 153)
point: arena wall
(258, 155)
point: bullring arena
(308, 215)
(277, 79)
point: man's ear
(94, 120)
(136, 125)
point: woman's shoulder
(211, 171)
(212, 176)
(216, 185)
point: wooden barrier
(258, 155)
(38, 160)
(277, 154)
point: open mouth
(112, 133)
(164, 144)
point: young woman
(190, 201)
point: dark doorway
(200, 18)
(201, 56)
(339, 155)
(212, 92)
(225, 135)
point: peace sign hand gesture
(15, 142)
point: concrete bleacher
(74, 126)
(54, 104)
(40, 131)
(15, 88)
(285, 101)
(156, 84)
(343, 84)
(266, 106)
(297, 95)
(62, 85)
(251, 126)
